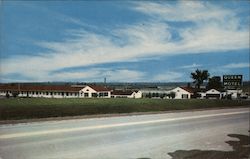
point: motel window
(184, 96)
(86, 94)
(106, 94)
(100, 94)
(36, 93)
(153, 95)
(76, 94)
(62, 93)
(94, 94)
(67, 94)
(51, 93)
(157, 94)
(47, 93)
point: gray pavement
(131, 137)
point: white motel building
(96, 91)
(79, 91)
(56, 91)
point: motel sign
(232, 81)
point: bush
(7, 95)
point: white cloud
(192, 66)
(215, 30)
(217, 71)
(237, 65)
(168, 77)
(125, 75)
(89, 75)
(98, 74)
(226, 69)
(183, 11)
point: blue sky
(124, 41)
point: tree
(199, 76)
(7, 95)
(172, 95)
(215, 83)
(15, 94)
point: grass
(30, 108)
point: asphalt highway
(127, 137)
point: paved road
(132, 137)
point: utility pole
(18, 88)
(105, 80)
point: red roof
(188, 89)
(121, 92)
(99, 88)
(63, 88)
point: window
(51, 93)
(47, 93)
(184, 96)
(106, 94)
(36, 93)
(62, 93)
(94, 94)
(86, 94)
(67, 94)
(100, 94)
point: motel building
(126, 94)
(55, 91)
(182, 92)
(211, 94)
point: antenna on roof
(18, 88)
(105, 80)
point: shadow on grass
(241, 150)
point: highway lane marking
(65, 130)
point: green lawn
(27, 108)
